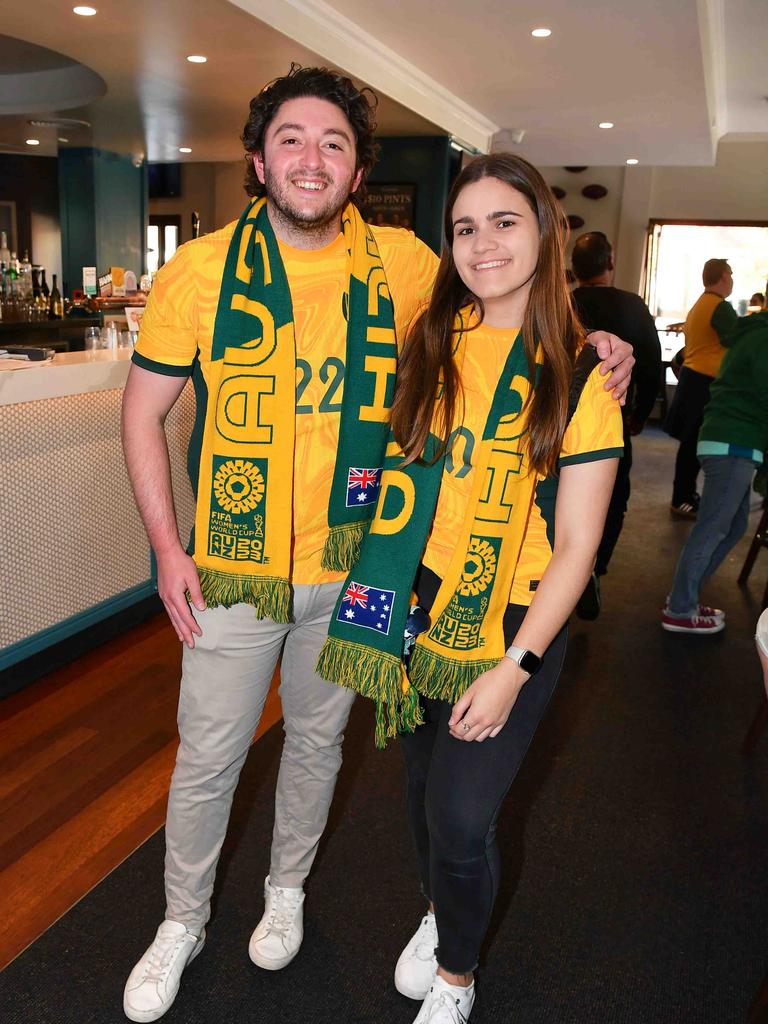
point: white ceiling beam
(711, 15)
(322, 29)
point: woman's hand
(484, 707)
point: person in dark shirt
(600, 306)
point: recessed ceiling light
(184, 149)
(33, 142)
(85, 12)
(62, 139)
(541, 33)
(632, 161)
(606, 124)
(197, 58)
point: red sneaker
(693, 624)
(711, 613)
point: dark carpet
(634, 845)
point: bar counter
(74, 549)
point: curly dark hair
(358, 105)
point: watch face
(530, 662)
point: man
(287, 322)
(731, 443)
(600, 305)
(708, 323)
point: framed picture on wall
(390, 205)
(8, 223)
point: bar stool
(760, 540)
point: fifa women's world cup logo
(236, 530)
(479, 568)
(459, 626)
(238, 486)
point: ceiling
(673, 77)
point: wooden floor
(78, 795)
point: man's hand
(617, 360)
(177, 574)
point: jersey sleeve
(724, 319)
(167, 341)
(596, 430)
(411, 267)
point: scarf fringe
(342, 546)
(440, 678)
(269, 595)
(377, 675)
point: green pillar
(103, 204)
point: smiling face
(308, 168)
(496, 248)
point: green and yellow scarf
(246, 487)
(365, 641)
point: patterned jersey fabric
(595, 432)
(177, 329)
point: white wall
(46, 244)
(230, 195)
(197, 193)
(735, 188)
(598, 214)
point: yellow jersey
(594, 432)
(177, 331)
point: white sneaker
(154, 981)
(417, 965)
(277, 937)
(446, 1004)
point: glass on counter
(92, 339)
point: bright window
(677, 253)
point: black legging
(455, 791)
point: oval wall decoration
(558, 193)
(594, 191)
(575, 170)
(574, 221)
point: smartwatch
(527, 660)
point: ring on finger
(467, 727)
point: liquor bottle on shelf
(55, 304)
(195, 224)
(25, 278)
(5, 253)
(36, 283)
(44, 290)
(12, 277)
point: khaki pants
(225, 681)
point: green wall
(429, 163)
(103, 206)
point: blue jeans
(720, 523)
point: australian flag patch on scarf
(363, 486)
(366, 606)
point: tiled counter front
(73, 547)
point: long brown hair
(549, 321)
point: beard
(290, 211)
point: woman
(499, 502)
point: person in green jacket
(732, 440)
